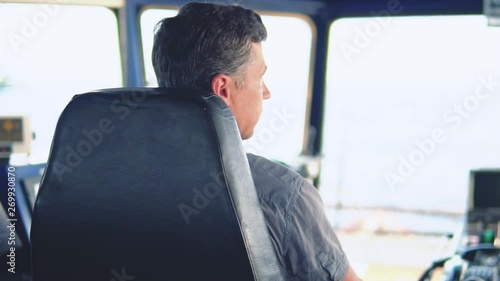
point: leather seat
(149, 184)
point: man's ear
(221, 86)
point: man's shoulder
(274, 182)
(271, 170)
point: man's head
(215, 48)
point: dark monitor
(15, 135)
(484, 189)
(491, 9)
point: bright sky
(394, 89)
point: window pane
(149, 19)
(279, 133)
(412, 106)
(49, 54)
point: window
(280, 131)
(149, 19)
(50, 53)
(411, 108)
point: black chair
(149, 184)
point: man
(218, 48)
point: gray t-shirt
(307, 246)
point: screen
(11, 130)
(486, 189)
(491, 9)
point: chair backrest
(149, 184)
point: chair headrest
(153, 182)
